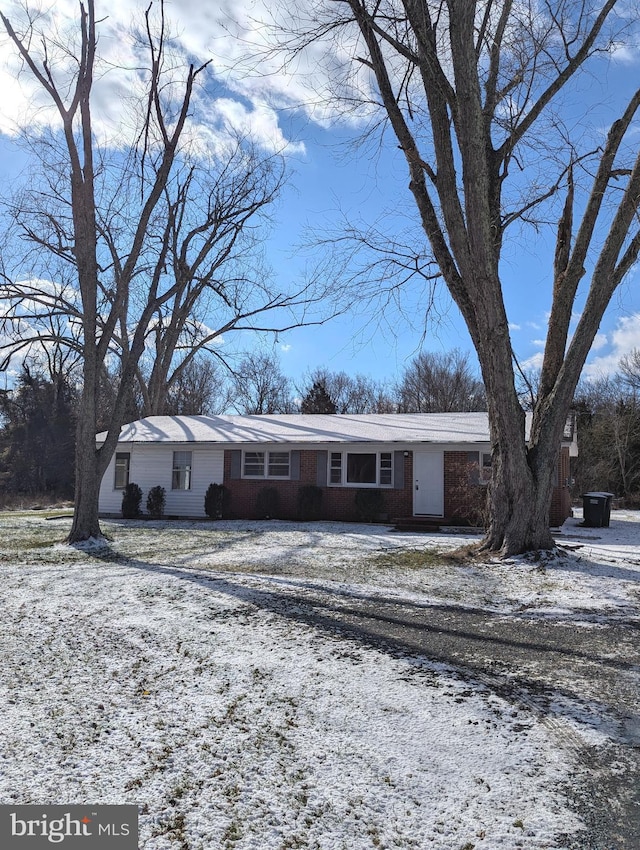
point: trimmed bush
(131, 500)
(369, 504)
(216, 501)
(156, 502)
(309, 502)
(267, 503)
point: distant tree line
(608, 422)
(38, 416)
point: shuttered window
(357, 469)
(266, 465)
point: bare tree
(630, 369)
(74, 235)
(471, 92)
(440, 383)
(348, 394)
(609, 437)
(128, 246)
(259, 386)
(201, 388)
(210, 241)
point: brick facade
(561, 497)
(338, 503)
(464, 497)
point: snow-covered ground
(131, 674)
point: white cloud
(600, 341)
(514, 327)
(624, 338)
(533, 363)
(626, 54)
(285, 347)
(202, 32)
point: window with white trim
(253, 465)
(122, 467)
(485, 467)
(278, 464)
(386, 469)
(361, 469)
(269, 464)
(181, 473)
(335, 468)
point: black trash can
(596, 509)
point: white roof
(310, 428)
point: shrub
(216, 501)
(131, 499)
(309, 502)
(156, 502)
(369, 504)
(267, 503)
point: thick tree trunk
(523, 465)
(520, 500)
(524, 474)
(86, 523)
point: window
(278, 464)
(181, 478)
(266, 465)
(385, 469)
(123, 462)
(335, 470)
(361, 468)
(485, 467)
(357, 469)
(254, 464)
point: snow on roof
(316, 428)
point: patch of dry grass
(420, 559)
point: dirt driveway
(569, 675)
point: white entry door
(428, 483)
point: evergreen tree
(318, 400)
(37, 436)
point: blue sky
(327, 177)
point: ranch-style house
(425, 465)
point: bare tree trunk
(460, 135)
(85, 523)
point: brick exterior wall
(338, 503)
(561, 498)
(464, 498)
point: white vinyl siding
(152, 464)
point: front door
(428, 483)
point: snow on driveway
(129, 675)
